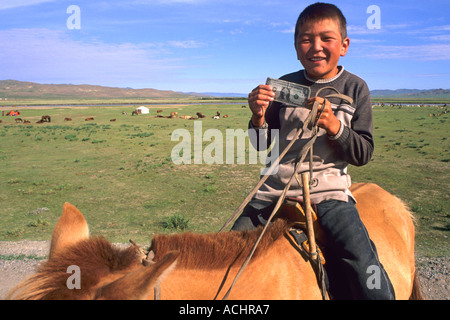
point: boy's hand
(258, 101)
(328, 120)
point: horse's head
(80, 267)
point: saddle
(292, 210)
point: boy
(345, 137)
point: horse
(46, 119)
(203, 266)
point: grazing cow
(159, 111)
(225, 116)
(112, 120)
(26, 121)
(67, 119)
(200, 115)
(89, 119)
(18, 120)
(173, 114)
(216, 117)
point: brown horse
(202, 266)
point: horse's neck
(278, 273)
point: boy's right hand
(258, 101)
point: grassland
(121, 176)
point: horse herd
(199, 115)
(172, 115)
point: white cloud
(167, 2)
(429, 52)
(186, 44)
(9, 4)
(47, 55)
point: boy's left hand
(328, 120)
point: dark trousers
(353, 267)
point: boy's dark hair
(319, 11)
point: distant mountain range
(30, 90)
(13, 89)
(412, 93)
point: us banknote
(289, 93)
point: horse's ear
(139, 284)
(71, 228)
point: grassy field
(121, 176)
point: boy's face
(319, 46)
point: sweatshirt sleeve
(261, 138)
(355, 143)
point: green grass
(411, 161)
(121, 176)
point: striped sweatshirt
(353, 144)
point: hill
(13, 89)
(412, 93)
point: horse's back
(391, 228)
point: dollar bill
(289, 93)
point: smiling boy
(345, 137)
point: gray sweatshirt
(352, 145)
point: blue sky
(214, 46)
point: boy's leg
(256, 213)
(351, 248)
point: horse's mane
(198, 251)
(96, 257)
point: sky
(214, 45)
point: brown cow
(89, 119)
(67, 119)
